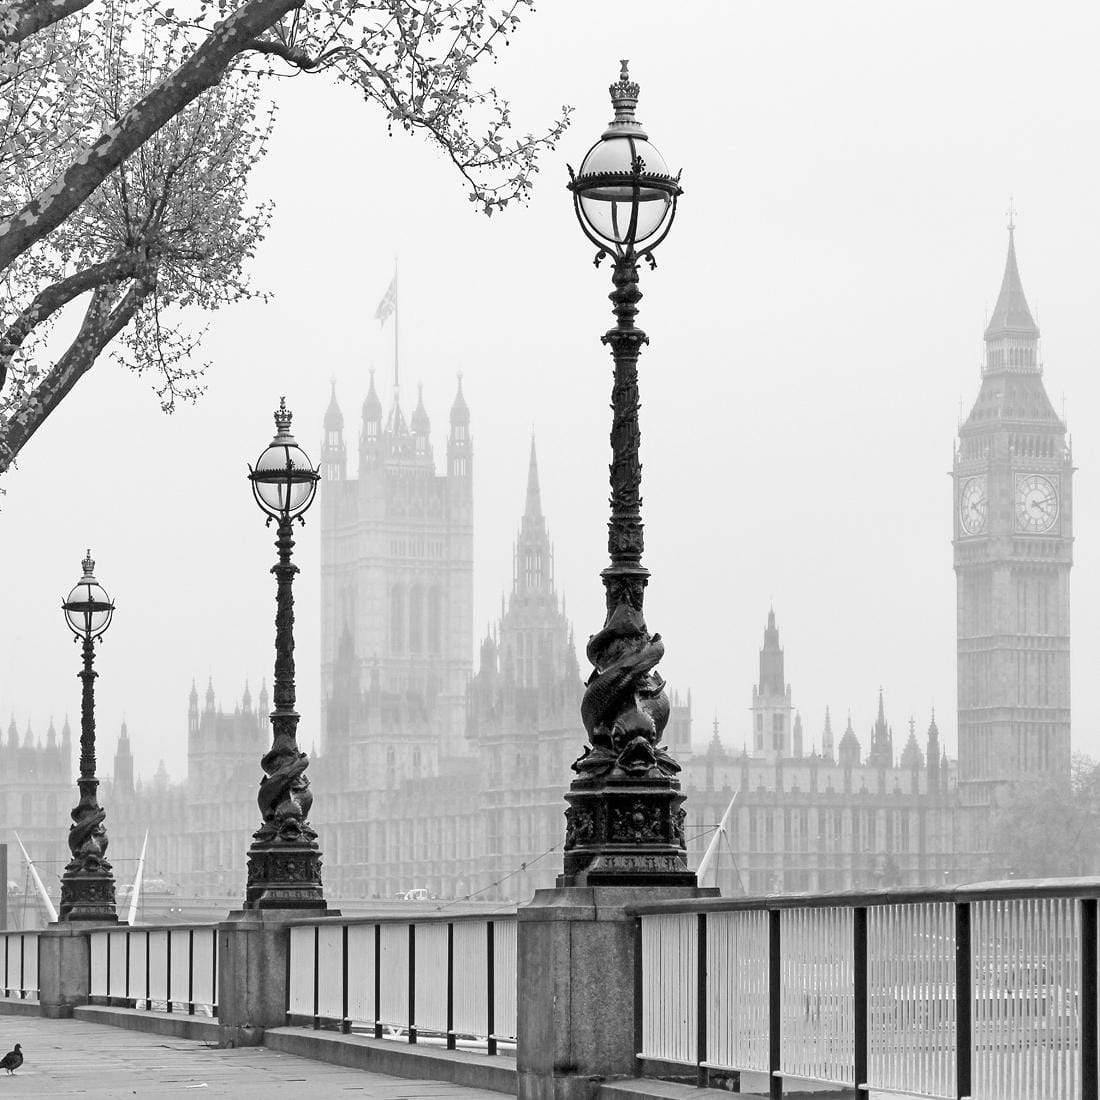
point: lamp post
(625, 824)
(284, 860)
(87, 884)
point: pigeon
(12, 1060)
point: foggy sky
(815, 321)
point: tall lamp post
(624, 824)
(284, 860)
(88, 884)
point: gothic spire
(372, 405)
(460, 411)
(1011, 316)
(334, 418)
(533, 508)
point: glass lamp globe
(624, 194)
(283, 479)
(88, 609)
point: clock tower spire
(1013, 549)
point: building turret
(13, 734)
(67, 745)
(796, 736)
(51, 737)
(881, 754)
(459, 443)
(209, 696)
(422, 428)
(933, 755)
(192, 712)
(370, 438)
(912, 758)
(334, 454)
(828, 748)
(264, 705)
(124, 763)
(771, 700)
(849, 752)
(246, 699)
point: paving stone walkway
(71, 1058)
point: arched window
(397, 619)
(435, 621)
(416, 619)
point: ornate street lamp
(284, 861)
(624, 824)
(87, 885)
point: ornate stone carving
(637, 822)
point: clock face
(1036, 503)
(973, 506)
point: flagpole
(396, 326)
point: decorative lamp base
(87, 897)
(625, 833)
(284, 875)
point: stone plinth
(576, 987)
(253, 955)
(64, 967)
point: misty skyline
(815, 321)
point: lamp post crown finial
(88, 564)
(283, 417)
(624, 97)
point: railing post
(214, 974)
(491, 991)
(128, 1002)
(108, 969)
(1090, 1088)
(167, 970)
(378, 981)
(412, 982)
(190, 972)
(148, 985)
(859, 975)
(22, 962)
(775, 1007)
(450, 985)
(963, 1000)
(701, 1002)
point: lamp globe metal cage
(88, 609)
(624, 195)
(283, 479)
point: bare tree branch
(22, 18)
(100, 326)
(52, 298)
(201, 71)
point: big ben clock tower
(1013, 551)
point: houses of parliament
(442, 764)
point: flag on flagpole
(388, 303)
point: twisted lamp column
(284, 860)
(88, 884)
(625, 822)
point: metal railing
(166, 969)
(445, 980)
(20, 963)
(987, 992)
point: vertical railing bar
(316, 976)
(775, 1017)
(128, 970)
(859, 993)
(191, 972)
(148, 986)
(1090, 1011)
(168, 970)
(491, 981)
(701, 1001)
(378, 981)
(287, 972)
(450, 985)
(214, 973)
(639, 997)
(22, 961)
(345, 1021)
(963, 993)
(412, 982)
(107, 936)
